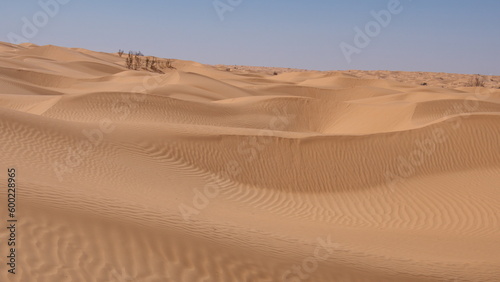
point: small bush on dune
(169, 64)
(133, 61)
(129, 61)
(476, 81)
(137, 62)
(154, 64)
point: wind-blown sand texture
(208, 174)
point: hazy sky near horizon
(461, 36)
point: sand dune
(204, 174)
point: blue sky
(442, 36)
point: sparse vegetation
(137, 62)
(476, 81)
(169, 64)
(134, 61)
(423, 83)
(129, 61)
(154, 64)
(275, 73)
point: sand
(217, 173)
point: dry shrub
(134, 61)
(137, 62)
(169, 64)
(476, 81)
(129, 61)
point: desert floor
(232, 173)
